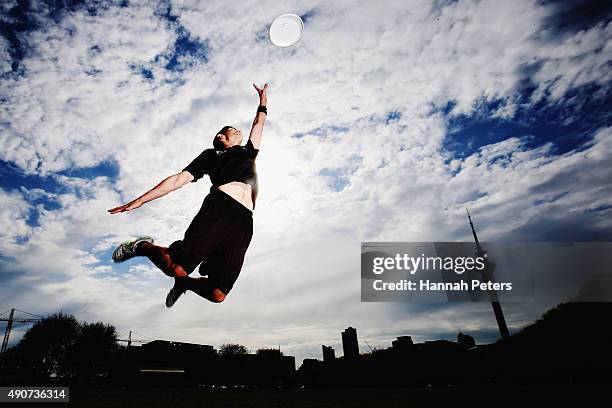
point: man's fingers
(117, 209)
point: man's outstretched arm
(260, 117)
(167, 185)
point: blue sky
(385, 122)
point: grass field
(576, 396)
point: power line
(9, 325)
(31, 314)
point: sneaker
(127, 249)
(175, 293)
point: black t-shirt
(234, 164)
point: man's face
(232, 137)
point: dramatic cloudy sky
(386, 120)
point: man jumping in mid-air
(221, 231)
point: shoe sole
(168, 297)
(125, 257)
(168, 304)
(128, 254)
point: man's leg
(221, 240)
(201, 286)
(161, 258)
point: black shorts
(218, 238)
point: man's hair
(216, 143)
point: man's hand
(132, 205)
(167, 185)
(263, 97)
(260, 117)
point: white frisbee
(286, 30)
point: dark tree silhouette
(93, 352)
(59, 345)
(230, 349)
(269, 352)
(43, 348)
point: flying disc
(286, 30)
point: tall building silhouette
(328, 353)
(349, 343)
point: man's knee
(178, 271)
(218, 296)
(174, 268)
(167, 260)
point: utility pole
(7, 333)
(487, 274)
(9, 326)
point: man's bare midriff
(240, 192)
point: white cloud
(14, 211)
(5, 57)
